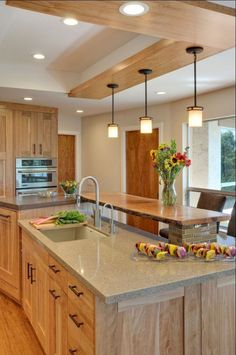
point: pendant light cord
(145, 95)
(195, 79)
(112, 117)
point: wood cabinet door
(6, 153)
(47, 135)
(40, 302)
(24, 134)
(57, 319)
(27, 285)
(141, 179)
(9, 248)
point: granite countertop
(154, 209)
(107, 266)
(30, 202)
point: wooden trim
(226, 281)
(145, 300)
(24, 107)
(162, 57)
(193, 21)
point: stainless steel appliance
(35, 174)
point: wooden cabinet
(35, 285)
(9, 253)
(57, 319)
(35, 134)
(6, 148)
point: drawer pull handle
(52, 267)
(29, 270)
(52, 292)
(31, 274)
(40, 149)
(34, 148)
(73, 318)
(73, 289)
(72, 351)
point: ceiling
(74, 54)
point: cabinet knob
(74, 320)
(53, 268)
(76, 292)
(53, 293)
(72, 351)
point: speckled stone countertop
(31, 202)
(107, 267)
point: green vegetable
(68, 217)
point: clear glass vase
(168, 193)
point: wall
(102, 157)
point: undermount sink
(66, 234)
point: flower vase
(168, 193)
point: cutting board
(53, 226)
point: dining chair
(231, 230)
(207, 201)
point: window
(213, 150)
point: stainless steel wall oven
(35, 174)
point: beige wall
(102, 157)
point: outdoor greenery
(228, 158)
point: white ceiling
(74, 54)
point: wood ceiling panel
(198, 22)
(162, 57)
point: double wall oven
(34, 175)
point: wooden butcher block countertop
(153, 209)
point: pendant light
(195, 112)
(112, 128)
(145, 121)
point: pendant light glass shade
(145, 125)
(195, 116)
(195, 112)
(112, 128)
(145, 121)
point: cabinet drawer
(58, 273)
(80, 331)
(82, 297)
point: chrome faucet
(97, 211)
(112, 225)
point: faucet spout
(112, 225)
(97, 212)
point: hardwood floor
(16, 334)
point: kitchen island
(136, 306)
(185, 223)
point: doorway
(66, 157)
(141, 178)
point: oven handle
(36, 171)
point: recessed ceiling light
(28, 98)
(79, 111)
(69, 21)
(134, 8)
(39, 56)
(160, 92)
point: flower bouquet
(168, 163)
(69, 187)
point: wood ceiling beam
(200, 22)
(162, 57)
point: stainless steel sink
(66, 234)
